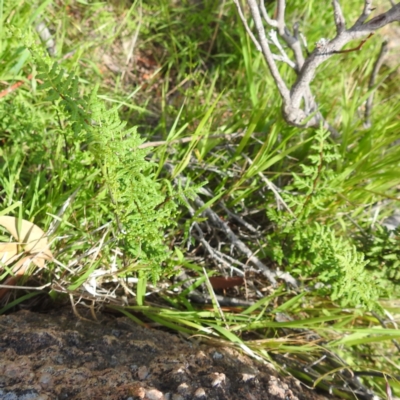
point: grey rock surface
(58, 356)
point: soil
(59, 356)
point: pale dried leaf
(9, 252)
(39, 261)
(22, 265)
(31, 237)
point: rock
(58, 356)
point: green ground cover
(156, 144)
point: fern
(143, 208)
(138, 201)
(311, 248)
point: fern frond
(141, 208)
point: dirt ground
(58, 356)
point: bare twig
(239, 219)
(203, 241)
(283, 90)
(214, 219)
(273, 188)
(366, 12)
(280, 17)
(233, 261)
(284, 57)
(265, 15)
(246, 26)
(339, 18)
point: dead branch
(299, 105)
(216, 221)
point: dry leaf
(31, 237)
(31, 242)
(9, 252)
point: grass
(189, 79)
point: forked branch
(299, 105)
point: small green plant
(140, 207)
(381, 247)
(308, 244)
(143, 208)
